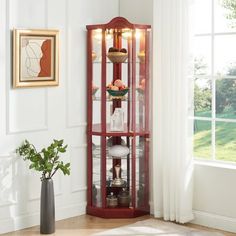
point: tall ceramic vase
(47, 207)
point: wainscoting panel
(7, 177)
(27, 110)
(76, 72)
(78, 169)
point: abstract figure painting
(35, 58)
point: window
(215, 80)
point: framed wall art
(35, 58)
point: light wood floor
(87, 225)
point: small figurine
(117, 120)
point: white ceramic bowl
(109, 142)
(118, 151)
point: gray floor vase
(47, 207)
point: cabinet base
(115, 212)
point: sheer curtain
(172, 97)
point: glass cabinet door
(96, 79)
(96, 173)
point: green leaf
(45, 161)
(67, 165)
(62, 150)
(32, 166)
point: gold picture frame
(35, 58)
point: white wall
(137, 11)
(214, 196)
(214, 186)
(41, 114)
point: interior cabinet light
(137, 34)
(98, 34)
(128, 34)
(108, 36)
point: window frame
(213, 78)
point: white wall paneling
(3, 24)
(214, 196)
(42, 114)
(88, 12)
(28, 13)
(26, 116)
(76, 47)
(78, 168)
(7, 175)
(22, 115)
(215, 221)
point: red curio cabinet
(118, 131)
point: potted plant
(47, 162)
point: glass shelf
(109, 62)
(98, 156)
(125, 99)
(109, 99)
(97, 130)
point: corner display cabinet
(118, 119)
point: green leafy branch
(47, 160)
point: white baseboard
(214, 221)
(71, 211)
(26, 221)
(210, 220)
(151, 208)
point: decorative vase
(124, 198)
(112, 200)
(118, 181)
(47, 207)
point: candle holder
(118, 181)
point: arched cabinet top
(118, 23)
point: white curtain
(172, 97)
